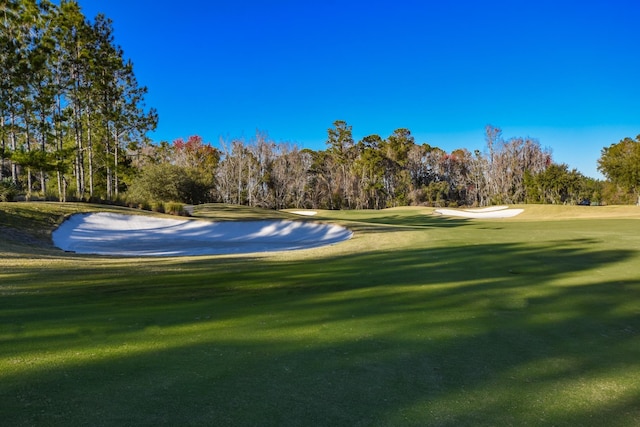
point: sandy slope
(132, 235)
(490, 212)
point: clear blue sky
(564, 72)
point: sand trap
(305, 213)
(490, 212)
(135, 235)
(488, 209)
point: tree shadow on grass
(225, 212)
(489, 334)
(417, 221)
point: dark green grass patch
(227, 212)
(481, 323)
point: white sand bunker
(136, 235)
(305, 213)
(490, 212)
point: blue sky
(564, 72)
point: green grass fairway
(418, 320)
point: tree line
(74, 124)
(70, 105)
(372, 173)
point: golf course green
(417, 320)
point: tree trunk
(79, 162)
(12, 143)
(109, 177)
(3, 145)
(43, 184)
(58, 140)
(90, 153)
(43, 147)
(28, 144)
(116, 153)
(60, 189)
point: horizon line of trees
(372, 173)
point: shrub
(157, 207)
(8, 190)
(170, 182)
(174, 208)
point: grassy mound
(417, 320)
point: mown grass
(417, 320)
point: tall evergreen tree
(340, 147)
(65, 86)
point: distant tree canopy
(372, 173)
(558, 185)
(620, 163)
